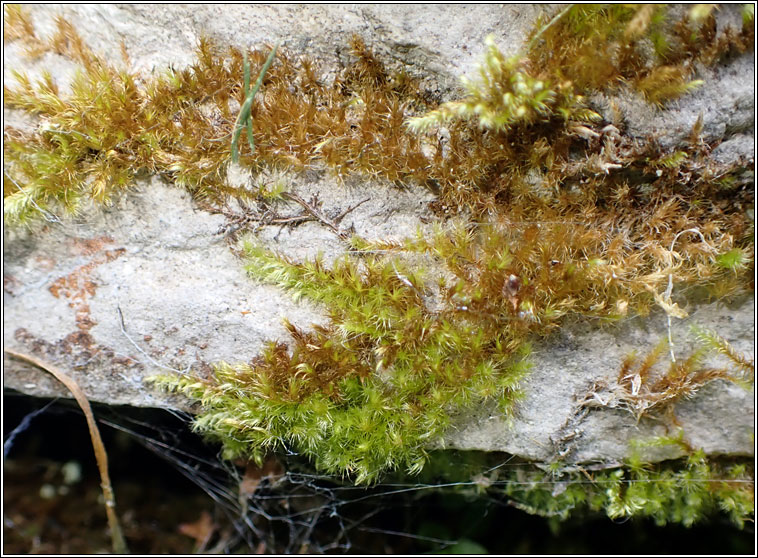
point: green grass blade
(244, 117)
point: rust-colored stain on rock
(78, 286)
(90, 246)
(78, 351)
(9, 284)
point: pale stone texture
(185, 299)
(552, 423)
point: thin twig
(119, 544)
(341, 216)
(320, 217)
(310, 208)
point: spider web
(294, 511)
(284, 507)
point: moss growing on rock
(558, 214)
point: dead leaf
(254, 475)
(672, 309)
(201, 530)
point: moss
(95, 140)
(507, 95)
(673, 492)
(365, 394)
(684, 491)
(733, 259)
(642, 390)
(557, 214)
(108, 129)
(601, 46)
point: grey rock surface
(726, 102)
(442, 40)
(553, 423)
(151, 283)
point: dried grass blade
(119, 543)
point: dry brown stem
(119, 544)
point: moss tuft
(507, 95)
(367, 393)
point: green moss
(508, 95)
(367, 393)
(734, 259)
(667, 493)
(684, 491)
(565, 216)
